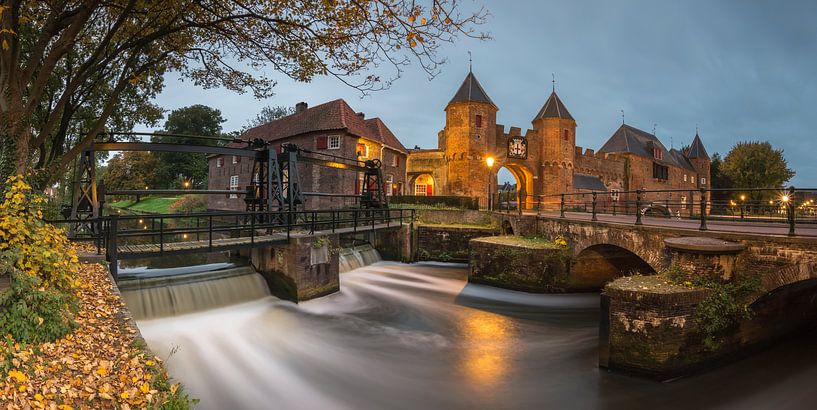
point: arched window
(478, 121)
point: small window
(235, 159)
(256, 178)
(703, 181)
(685, 177)
(660, 172)
(420, 189)
(395, 161)
(389, 185)
(219, 162)
(657, 153)
(233, 185)
(334, 142)
(479, 121)
(683, 201)
(362, 150)
(567, 135)
(614, 195)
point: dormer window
(478, 121)
(657, 153)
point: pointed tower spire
(553, 108)
(471, 90)
(696, 149)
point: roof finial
(553, 81)
(469, 61)
(653, 128)
(696, 129)
(622, 116)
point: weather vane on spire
(469, 61)
(553, 81)
(622, 116)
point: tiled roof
(697, 150)
(632, 140)
(589, 182)
(471, 90)
(384, 134)
(333, 115)
(554, 108)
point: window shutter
(321, 143)
(429, 190)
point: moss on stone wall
(528, 264)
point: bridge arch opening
(597, 265)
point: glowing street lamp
(489, 161)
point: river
(419, 337)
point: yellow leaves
(18, 375)
(102, 371)
(39, 397)
(145, 388)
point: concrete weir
(308, 266)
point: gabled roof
(333, 115)
(553, 108)
(471, 90)
(589, 182)
(383, 134)
(697, 150)
(632, 140)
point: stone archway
(596, 265)
(423, 185)
(524, 183)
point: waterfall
(154, 297)
(358, 257)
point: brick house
(332, 128)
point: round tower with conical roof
(470, 131)
(556, 130)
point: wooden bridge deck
(131, 251)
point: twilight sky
(741, 70)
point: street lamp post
(490, 162)
(742, 204)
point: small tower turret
(556, 129)
(470, 128)
(700, 160)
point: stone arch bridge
(778, 260)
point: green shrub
(189, 203)
(32, 313)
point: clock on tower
(518, 147)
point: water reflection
(488, 341)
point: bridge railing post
(593, 218)
(614, 208)
(562, 207)
(790, 211)
(252, 229)
(161, 235)
(333, 221)
(354, 219)
(113, 247)
(703, 210)
(210, 232)
(638, 207)
(314, 220)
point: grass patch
(468, 226)
(156, 205)
(436, 207)
(652, 283)
(530, 242)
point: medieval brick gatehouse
(331, 128)
(545, 160)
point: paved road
(761, 228)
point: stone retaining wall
(445, 243)
(518, 267)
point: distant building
(331, 128)
(545, 160)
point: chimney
(361, 115)
(300, 107)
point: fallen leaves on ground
(99, 365)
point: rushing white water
(153, 297)
(419, 337)
(358, 257)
